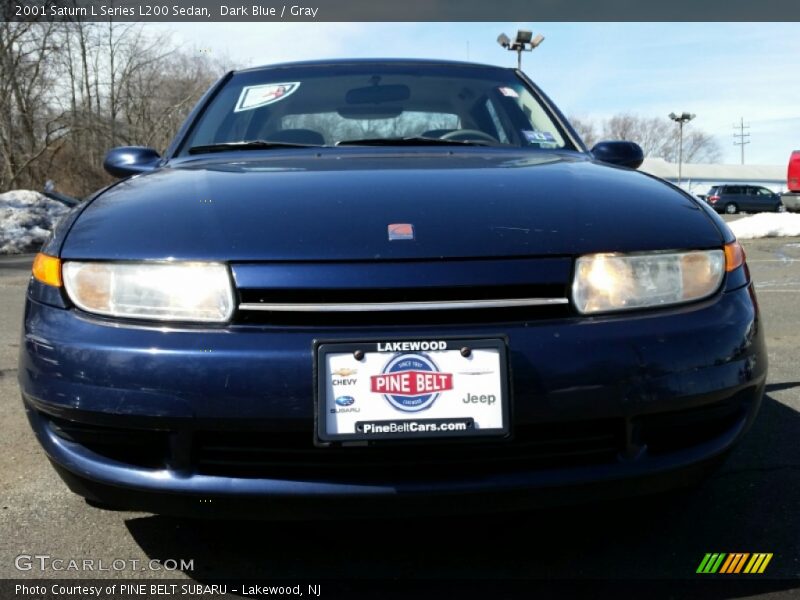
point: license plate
(411, 389)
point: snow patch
(26, 220)
(765, 225)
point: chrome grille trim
(400, 306)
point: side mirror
(130, 160)
(622, 154)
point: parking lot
(749, 505)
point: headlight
(612, 282)
(162, 291)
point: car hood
(337, 205)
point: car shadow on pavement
(749, 505)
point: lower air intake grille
(668, 432)
(293, 455)
(149, 449)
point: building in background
(698, 178)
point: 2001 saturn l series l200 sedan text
(353, 283)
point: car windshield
(374, 104)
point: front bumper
(612, 405)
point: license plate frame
(323, 348)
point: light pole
(681, 119)
(525, 42)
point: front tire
(731, 209)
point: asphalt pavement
(749, 505)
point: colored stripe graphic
(732, 558)
(734, 562)
(741, 562)
(703, 563)
(723, 563)
(758, 563)
(765, 563)
(749, 567)
(711, 562)
(715, 566)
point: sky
(722, 72)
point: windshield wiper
(247, 145)
(411, 141)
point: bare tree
(658, 137)
(155, 95)
(586, 129)
(30, 126)
(700, 147)
(69, 91)
(652, 134)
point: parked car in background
(731, 199)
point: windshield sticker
(509, 92)
(254, 96)
(537, 137)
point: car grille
(402, 292)
(404, 306)
(668, 432)
(292, 454)
(137, 447)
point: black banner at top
(401, 10)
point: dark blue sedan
(360, 286)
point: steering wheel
(468, 134)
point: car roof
(376, 61)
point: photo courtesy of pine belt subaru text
(356, 286)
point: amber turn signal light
(47, 269)
(734, 256)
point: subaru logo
(345, 401)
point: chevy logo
(344, 372)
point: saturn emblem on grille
(401, 231)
